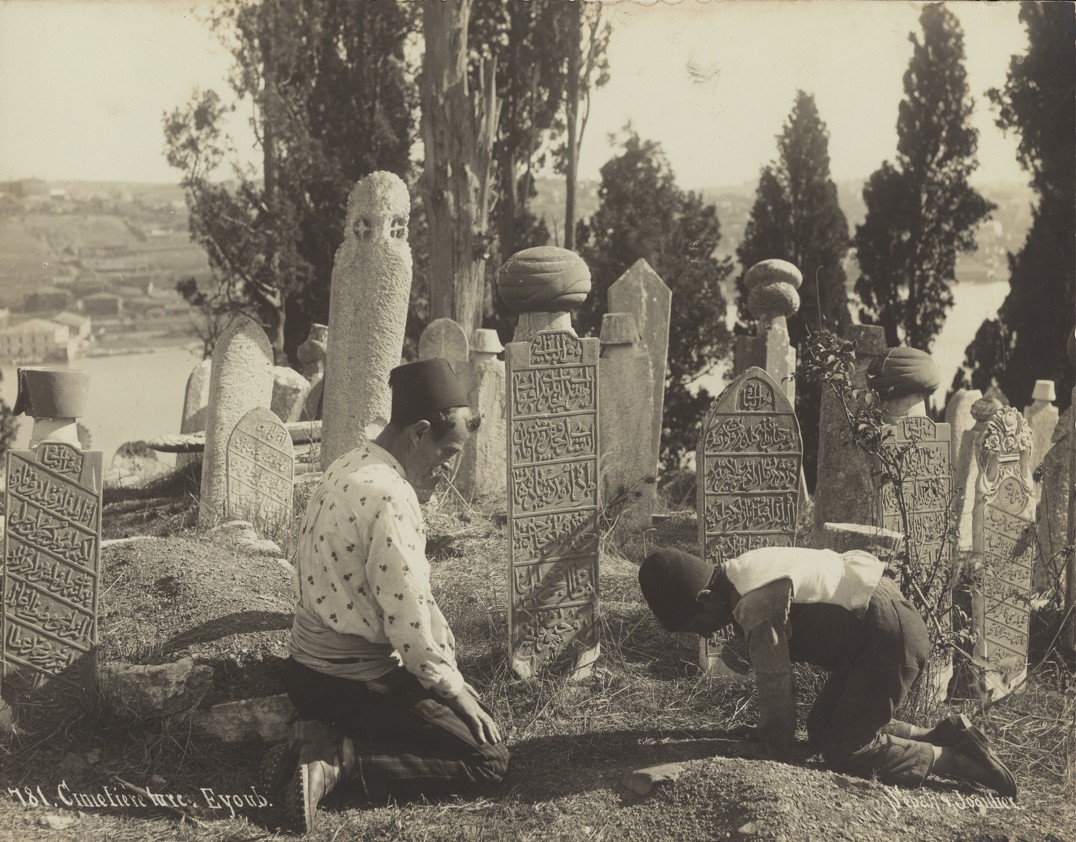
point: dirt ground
(572, 744)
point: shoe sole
(300, 812)
(277, 768)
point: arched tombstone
(371, 287)
(52, 550)
(747, 466)
(261, 472)
(241, 379)
(195, 406)
(1004, 545)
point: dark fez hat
(670, 580)
(421, 389)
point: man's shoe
(277, 768)
(321, 767)
(948, 731)
(972, 745)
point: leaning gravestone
(290, 389)
(642, 293)
(242, 378)
(261, 472)
(195, 406)
(553, 500)
(371, 286)
(1004, 546)
(52, 558)
(748, 467)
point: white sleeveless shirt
(846, 579)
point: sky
(84, 83)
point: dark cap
(670, 580)
(421, 389)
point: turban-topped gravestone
(541, 285)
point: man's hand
(470, 710)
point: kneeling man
(372, 657)
(839, 612)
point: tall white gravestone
(482, 463)
(241, 379)
(371, 285)
(195, 406)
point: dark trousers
(851, 721)
(408, 742)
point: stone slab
(261, 472)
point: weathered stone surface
(543, 279)
(156, 690)
(445, 338)
(1054, 503)
(772, 297)
(629, 483)
(644, 781)
(642, 293)
(844, 489)
(482, 470)
(1004, 549)
(195, 406)
(553, 499)
(289, 393)
(52, 568)
(1042, 418)
(311, 356)
(961, 422)
(842, 537)
(241, 379)
(261, 472)
(748, 464)
(371, 286)
(240, 534)
(266, 718)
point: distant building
(47, 298)
(87, 285)
(78, 325)
(102, 304)
(58, 193)
(35, 340)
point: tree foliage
(921, 211)
(642, 213)
(332, 101)
(796, 217)
(1027, 340)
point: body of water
(132, 396)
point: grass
(572, 741)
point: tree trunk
(572, 118)
(458, 130)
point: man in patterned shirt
(371, 654)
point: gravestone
(772, 297)
(52, 568)
(540, 285)
(642, 293)
(962, 442)
(629, 483)
(241, 379)
(1004, 547)
(311, 356)
(748, 464)
(289, 393)
(195, 406)
(844, 489)
(1052, 529)
(1042, 418)
(371, 286)
(482, 470)
(261, 472)
(553, 498)
(445, 338)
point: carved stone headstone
(748, 467)
(642, 293)
(482, 471)
(843, 492)
(1041, 417)
(371, 286)
(195, 406)
(961, 423)
(261, 472)
(553, 499)
(541, 285)
(445, 338)
(241, 379)
(772, 297)
(927, 489)
(1004, 547)
(289, 393)
(52, 566)
(629, 483)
